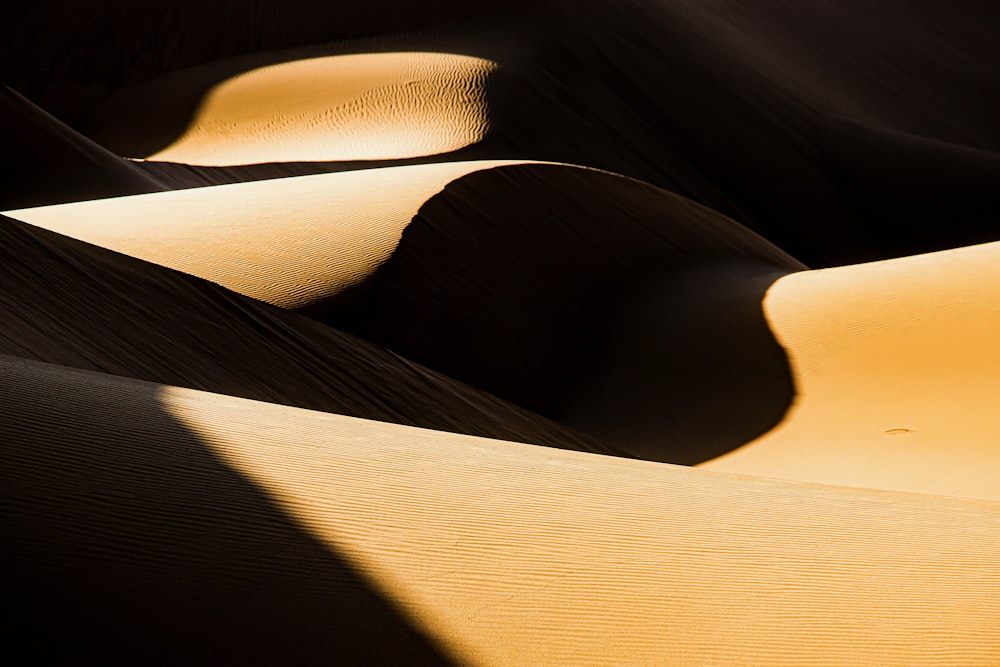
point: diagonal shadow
(127, 541)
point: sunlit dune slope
(265, 531)
(291, 242)
(365, 106)
(71, 303)
(896, 365)
(613, 306)
(43, 161)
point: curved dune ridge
(473, 540)
(580, 332)
(368, 106)
(292, 242)
(895, 366)
(87, 307)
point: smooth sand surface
(367, 106)
(496, 553)
(291, 242)
(895, 366)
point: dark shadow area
(912, 191)
(43, 161)
(567, 290)
(67, 302)
(127, 541)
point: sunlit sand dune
(367, 106)
(284, 528)
(291, 242)
(896, 366)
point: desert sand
(593, 332)
(894, 364)
(292, 242)
(493, 552)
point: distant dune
(513, 333)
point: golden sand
(290, 242)
(369, 106)
(515, 554)
(896, 366)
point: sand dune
(74, 304)
(248, 423)
(44, 161)
(311, 536)
(793, 122)
(292, 242)
(576, 293)
(895, 368)
(372, 106)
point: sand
(291, 242)
(894, 366)
(371, 106)
(493, 553)
(374, 332)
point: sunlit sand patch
(290, 242)
(372, 106)
(515, 554)
(897, 365)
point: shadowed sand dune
(739, 106)
(616, 307)
(261, 530)
(82, 306)
(895, 365)
(44, 161)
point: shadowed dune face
(74, 304)
(895, 366)
(591, 299)
(372, 106)
(43, 161)
(149, 521)
(291, 242)
(128, 539)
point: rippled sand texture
(367, 106)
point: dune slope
(626, 311)
(43, 161)
(71, 303)
(292, 242)
(895, 367)
(262, 531)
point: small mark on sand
(899, 431)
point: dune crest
(370, 106)
(895, 365)
(291, 242)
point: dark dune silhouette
(633, 314)
(43, 161)
(82, 306)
